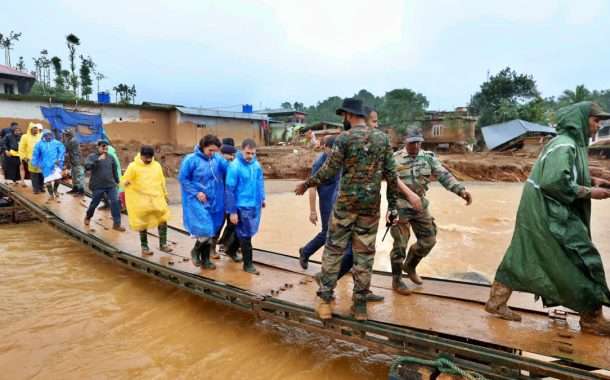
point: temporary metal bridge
(442, 317)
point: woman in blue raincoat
(48, 156)
(245, 196)
(202, 183)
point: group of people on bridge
(551, 254)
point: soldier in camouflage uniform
(77, 170)
(366, 158)
(416, 168)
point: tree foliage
(125, 94)
(7, 43)
(506, 96)
(72, 42)
(86, 68)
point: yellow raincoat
(26, 146)
(145, 194)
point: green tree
(505, 96)
(21, 65)
(86, 68)
(324, 110)
(286, 105)
(72, 42)
(7, 43)
(580, 93)
(59, 79)
(401, 107)
(369, 99)
(297, 106)
(99, 77)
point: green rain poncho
(551, 253)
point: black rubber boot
(195, 255)
(409, 267)
(246, 251)
(397, 283)
(205, 250)
(231, 247)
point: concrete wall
(141, 125)
(4, 81)
(190, 129)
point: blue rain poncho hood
(48, 154)
(200, 173)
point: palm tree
(72, 42)
(581, 93)
(99, 77)
(7, 43)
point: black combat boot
(409, 267)
(359, 308)
(246, 251)
(195, 257)
(397, 283)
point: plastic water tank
(103, 97)
(246, 108)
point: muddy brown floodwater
(66, 313)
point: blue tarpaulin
(88, 128)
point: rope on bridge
(443, 363)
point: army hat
(414, 135)
(353, 106)
(598, 111)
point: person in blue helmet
(201, 179)
(245, 197)
(48, 156)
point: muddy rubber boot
(204, 250)
(246, 252)
(497, 303)
(594, 323)
(359, 308)
(372, 297)
(195, 258)
(323, 309)
(409, 268)
(398, 284)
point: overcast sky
(224, 53)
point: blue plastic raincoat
(199, 173)
(48, 154)
(245, 194)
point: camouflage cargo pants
(424, 228)
(77, 172)
(361, 230)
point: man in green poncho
(551, 253)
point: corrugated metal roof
(499, 134)
(6, 70)
(222, 114)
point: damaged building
(517, 135)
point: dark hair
(14, 124)
(147, 151)
(329, 141)
(248, 143)
(208, 140)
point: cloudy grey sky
(262, 52)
